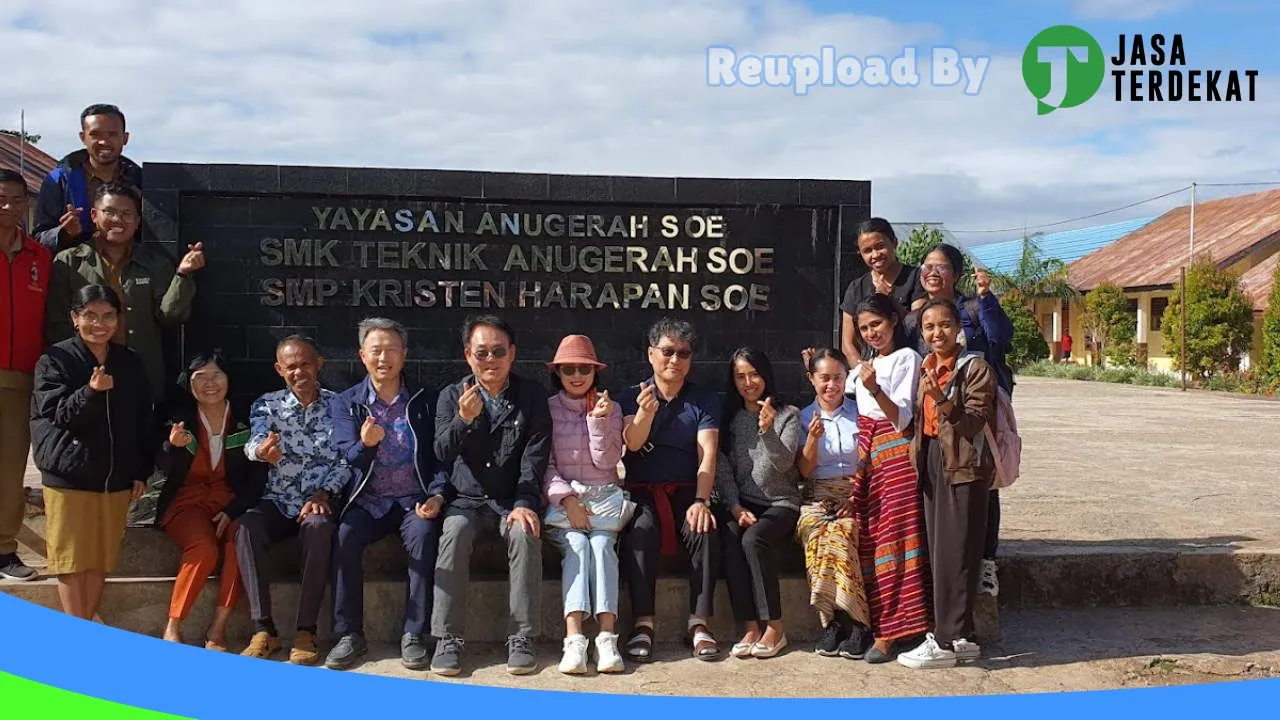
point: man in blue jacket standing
(493, 437)
(66, 196)
(386, 431)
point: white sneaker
(990, 583)
(928, 655)
(608, 660)
(574, 661)
(966, 651)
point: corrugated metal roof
(1226, 230)
(36, 164)
(1258, 282)
(1067, 246)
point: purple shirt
(394, 480)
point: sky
(620, 87)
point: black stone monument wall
(306, 250)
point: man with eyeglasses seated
(671, 429)
(493, 438)
(154, 294)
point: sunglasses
(683, 354)
(483, 354)
(571, 370)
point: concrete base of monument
(1032, 575)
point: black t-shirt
(906, 289)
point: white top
(898, 375)
(215, 438)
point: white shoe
(928, 655)
(608, 659)
(966, 651)
(574, 661)
(990, 583)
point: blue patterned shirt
(394, 480)
(311, 461)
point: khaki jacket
(155, 297)
(974, 405)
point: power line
(1024, 228)
(1239, 184)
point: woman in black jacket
(209, 484)
(93, 442)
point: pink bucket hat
(576, 350)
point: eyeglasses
(208, 378)
(683, 353)
(114, 214)
(571, 370)
(483, 354)
(939, 269)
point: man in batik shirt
(292, 431)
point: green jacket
(155, 297)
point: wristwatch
(701, 501)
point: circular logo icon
(1063, 67)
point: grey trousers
(453, 572)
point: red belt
(661, 494)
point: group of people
(883, 479)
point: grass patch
(1249, 383)
(1265, 598)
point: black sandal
(704, 644)
(640, 647)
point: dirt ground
(1043, 651)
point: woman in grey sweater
(758, 485)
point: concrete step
(1032, 574)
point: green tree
(923, 237)
(1219, 321)
(1107, 322)
(912, 250)
(1035, 276)
(1028, 344)
(33, 139)
(1270, 364)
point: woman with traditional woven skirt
(891, 534)
(827, 528)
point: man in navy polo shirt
(671, 429)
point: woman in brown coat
(955, 402)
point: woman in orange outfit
(209, 484)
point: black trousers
(955, 522)
(641, 546)
(750, 560)
(262, 527)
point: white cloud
(601, 86)
(1125, 9)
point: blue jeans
(589, 570)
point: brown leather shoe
(261, 646)
(304, 650)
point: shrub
(1270, 361)
(1106, 319)
(1082, 372)
(1219, 321)
(1028, 343)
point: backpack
(1003, 440)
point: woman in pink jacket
(586, 447)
